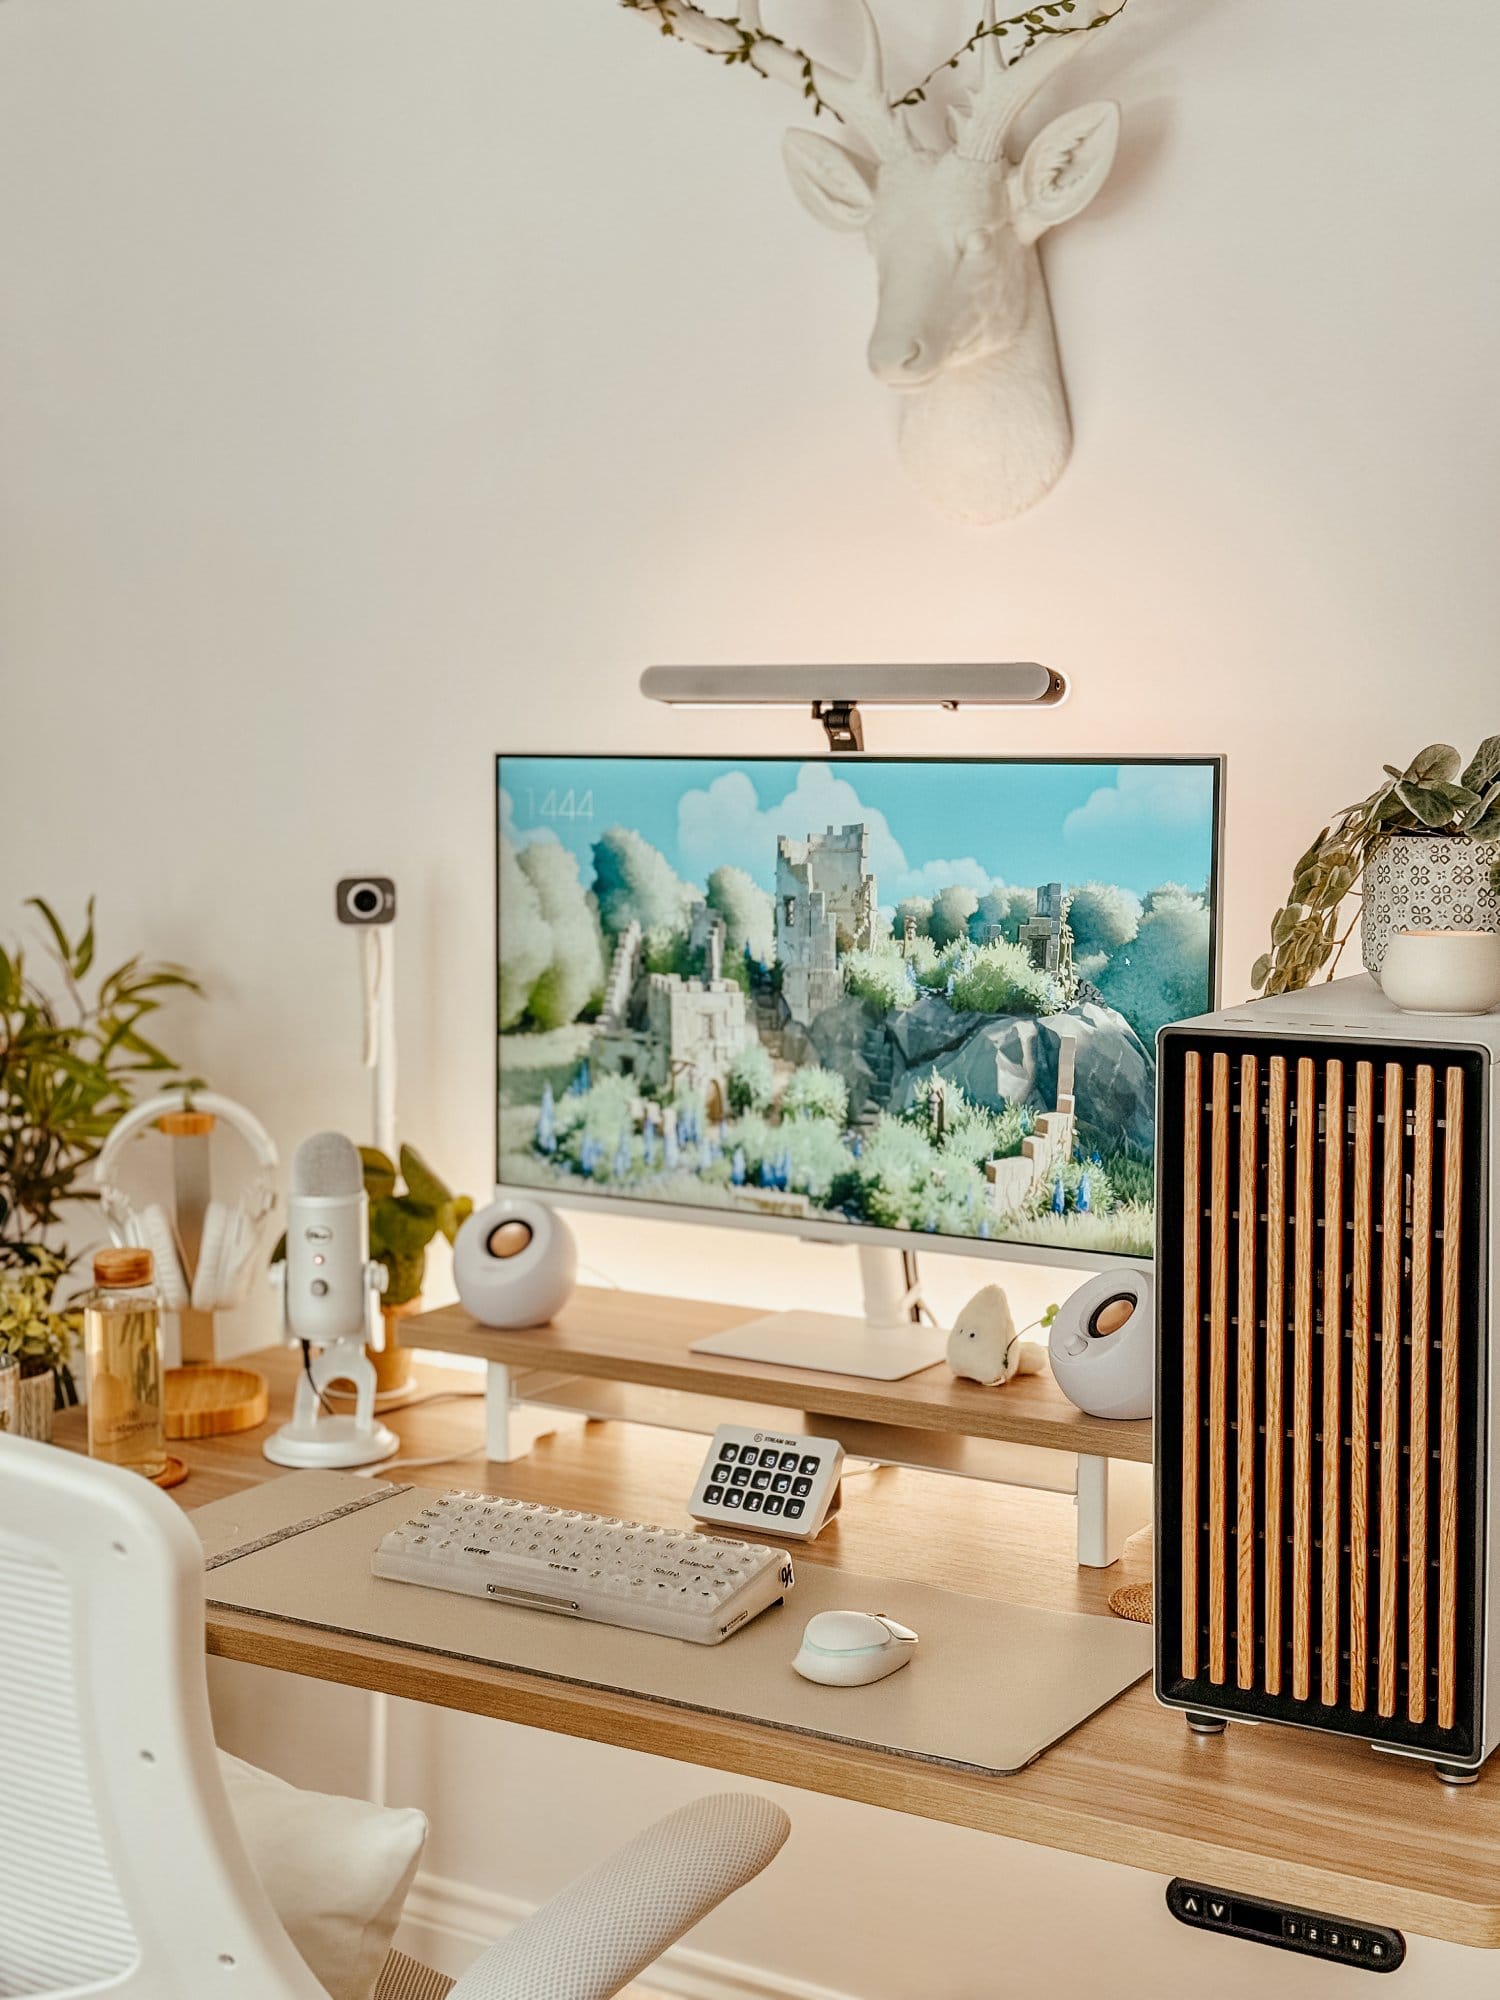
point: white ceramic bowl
(1442, 972)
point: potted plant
(1423, 848)
(41, 1338)
(70, 1063)
(409, 1206)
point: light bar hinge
(843, 722)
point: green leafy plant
(1432, 795)
(69, 1070)
(71, 1063)
(409, 1206)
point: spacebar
(512, 1593)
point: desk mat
(991, 1687)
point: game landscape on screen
(904, 995)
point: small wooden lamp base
(209, 1402)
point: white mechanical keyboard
(664, 1580)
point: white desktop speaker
(1103, 1343)
(515, 1262)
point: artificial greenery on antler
(743, 40)
(1432, 795)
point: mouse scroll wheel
(902, 1633)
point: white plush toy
(985, 1346)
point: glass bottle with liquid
(122, 1335)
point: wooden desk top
(644, 1338)
(1279, 1812)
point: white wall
(382, 383)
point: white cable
(399, 1465)
(593, 1271)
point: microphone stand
(316, 1437)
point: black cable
(307, 1371)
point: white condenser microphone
(330, 1298)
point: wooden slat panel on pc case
(1305, 1142)
(1218, 1364)
(1245, 1371)
(1423, 1135)
(1453, 1121)
(1359, 1383)
(1333, 1354)
(1275, 1363)
(1392, 1260)
(1192, 1203)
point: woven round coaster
(172, 1473)
(1133, 1601)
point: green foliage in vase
(1435, 793)
(409, 1205)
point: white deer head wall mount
(963, 329)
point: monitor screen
(873, 998)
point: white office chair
(121, 1869)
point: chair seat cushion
(336, 1871)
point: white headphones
(232, 1232)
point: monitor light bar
(835, 694)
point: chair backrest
(121, 1869)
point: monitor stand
(885, 1346)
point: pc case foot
(1454, 1774)
(1206, 1725)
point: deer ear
(832, 184)
(1065, 166)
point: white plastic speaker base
(331, 1443)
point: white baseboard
(447, 1924)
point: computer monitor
(909, 1002)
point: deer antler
(1004, 89)
(858, 101)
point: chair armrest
(597, 1935)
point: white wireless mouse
(850, 1649)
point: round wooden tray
(207, 1402)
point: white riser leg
(1114, 1500)
(510, 1428)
